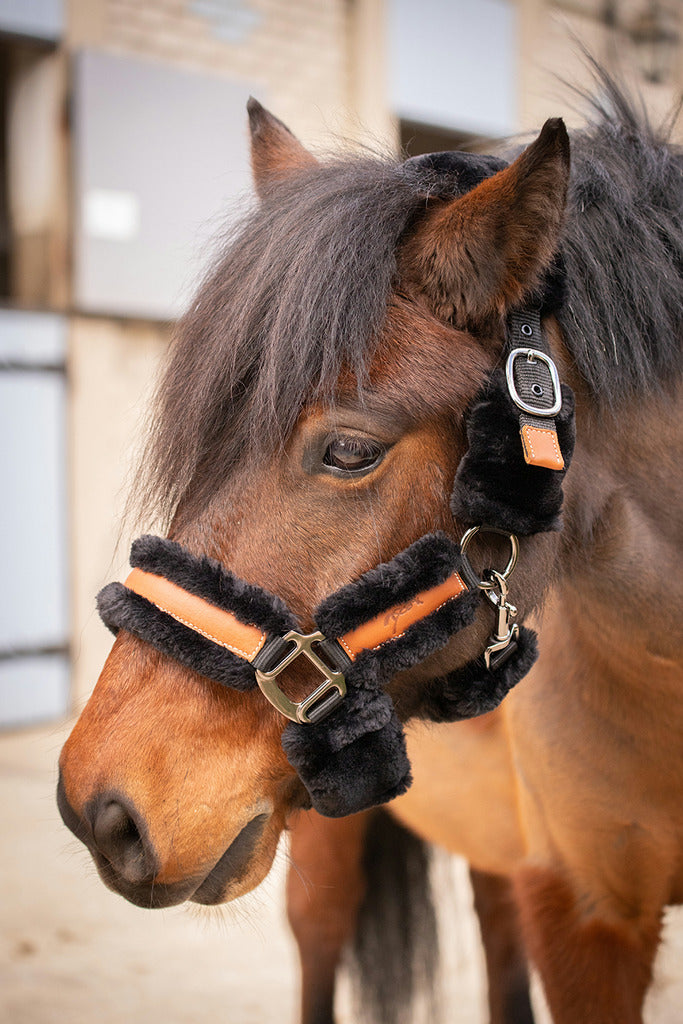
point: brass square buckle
(324, 699)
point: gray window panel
(33, 689)
(452, 65)
(34, 339)
(33, 551)
(39, 19)
(160, 156)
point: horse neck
(623, 526)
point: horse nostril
(117, 837)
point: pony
(309, 425)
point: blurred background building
(123, 148)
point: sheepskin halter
(345, 739)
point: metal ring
(514, 551)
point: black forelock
(300, 291)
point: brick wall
(295, 54)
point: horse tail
(394, 953)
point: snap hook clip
(503, 641)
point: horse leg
(594, 969)
(325, 887)
(506, 964)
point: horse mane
(623, 249)
(301, 286)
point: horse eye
(352, 454)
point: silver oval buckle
(324, 699)
(532, 354)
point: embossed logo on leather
(394, 614)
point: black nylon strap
(533, 379)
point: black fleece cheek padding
(493, 484)
(474, 690)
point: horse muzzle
(117, 838)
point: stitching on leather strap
(396, 636)
(348, 650)
(209, 636)
(552, 434)
(142, 591)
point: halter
(345, 738)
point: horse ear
(476, 256)
(275, 152)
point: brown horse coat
(180, 788)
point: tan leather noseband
(225, 629)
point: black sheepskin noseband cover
(120, 608)
(493, 484)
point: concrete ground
(71, 952)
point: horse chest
(597, 746)
(463, 792)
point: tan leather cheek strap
(393, 623)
